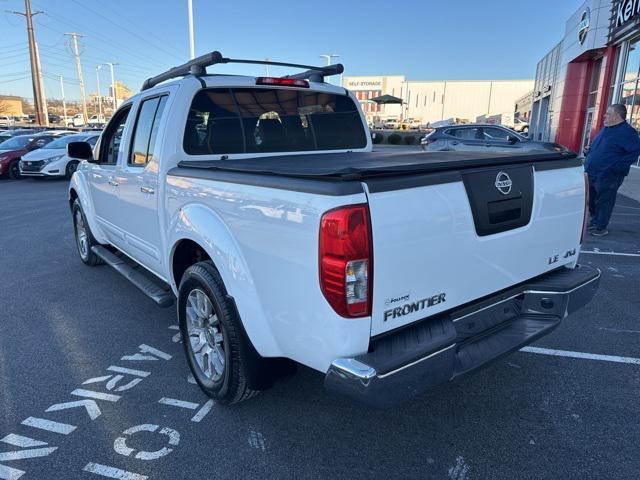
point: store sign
(627, 9)
(583, 26)
(364, 84)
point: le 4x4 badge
(556, 258)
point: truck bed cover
(349, 166)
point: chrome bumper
(448, 346)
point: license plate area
(500, 199)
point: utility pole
(76, 53)
(98, 67)
(114, 90)
(43, 98)
(192, 48)
(64, 103)
(41, 118)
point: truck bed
(351, 166)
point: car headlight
(53, 159)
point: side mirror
(81, 151)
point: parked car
(7, 134)
(12, 150)
(267, 226)
(53, 118)
(6, 120)
(520, 126)
(52, 160)
(483, 138)
(391, 123)
(97, 120)
(75, 121)
(410, 124)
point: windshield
(16, 143)
(248, 120)
(64, 141)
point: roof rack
(198, 65)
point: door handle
(455, 143)
(148, 190)
(113, 183)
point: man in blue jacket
(612, 152)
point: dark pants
(602, 198)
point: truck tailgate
(445, 239)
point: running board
(138, 276)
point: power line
(109, 41)
(126, 29)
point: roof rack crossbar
(198, 65)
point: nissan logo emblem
(503, 183)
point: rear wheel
(213, 337)
(84, 238)
(71, 168)
(14, 170)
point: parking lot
(94, 383)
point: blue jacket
(613, 151)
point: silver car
(483, 138)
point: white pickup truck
(259, 204)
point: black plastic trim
(555, 165)
(305, 185)
(378, 185)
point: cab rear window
(254, 120)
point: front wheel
(212, 335)
(71, 168)
(84, 238)
(14, 171)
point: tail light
(585, 218)
(282, 82)
(346, 260)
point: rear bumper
(438, 349)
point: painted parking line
(581, 355)
(594, 252)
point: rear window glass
(253, 120)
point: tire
(70, 169)
(83, 236)
(14, 170)
(213, 337)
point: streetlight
(329, 56)
(192, 52)
(98, 67)
(114, 90)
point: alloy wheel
(205, 335)
(81, 235)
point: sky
(421, 39)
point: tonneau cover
(362, 165)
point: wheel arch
(78, 189)
(198, 233)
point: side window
(112, 136)
(213, 125)
(465, 133)
(146, 130)
(41, 142)
(498, 134)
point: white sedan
(52, 160)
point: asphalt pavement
(93, 383)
